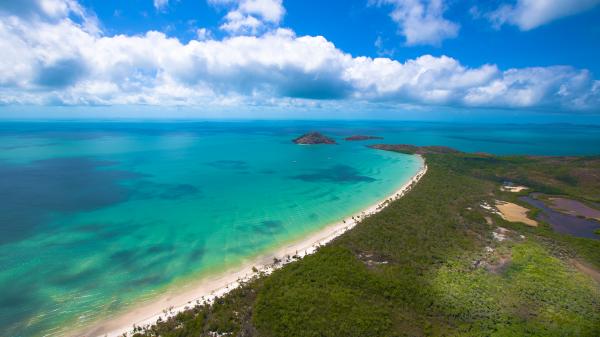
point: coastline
(208, 288)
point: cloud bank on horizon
(55, 52)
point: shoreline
(210, 287)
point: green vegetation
(428, 265)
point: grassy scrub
(427, 265)
(524, 299)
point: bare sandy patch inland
(513, 188)
(514, 213)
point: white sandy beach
(206, 289)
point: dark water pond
(563, 223)
(575, 207)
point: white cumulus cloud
(161, 4)
(250, 16)
(203, 34)
(59, 61)
(421, 21)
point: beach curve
(206, 289)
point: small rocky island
(313, 138)
(361, 137)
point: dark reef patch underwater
(336, 174)
(32, 192)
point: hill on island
(314, 138)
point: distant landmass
(361, 137)
(314, 138)
(413, 149)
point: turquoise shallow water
(95, 220)
(97, 216)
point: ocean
(96, 217)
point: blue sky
(354, 26)
(393, 57)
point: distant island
(361, 137)
(314, 138)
